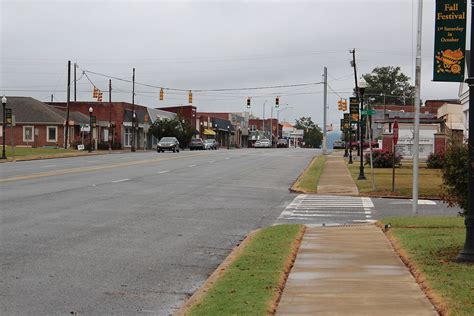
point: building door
(127, 137)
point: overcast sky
(196, 45)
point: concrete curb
(220, 270)
(293, 188)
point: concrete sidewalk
(336, 178)
(350, 271)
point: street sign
(395, 132)
(8, 116)
(371, 112)
(353, 106)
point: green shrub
(435, 160)
(455, 175)
(382, 158)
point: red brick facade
(440, 143)
(40, 140)
(188, 112)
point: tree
(455, 175)
(389, 81)
(312, 137)
(176, 127)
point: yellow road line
(92, 168)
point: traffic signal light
(339, 105)
(162, 94)
(95, 94)
(99, 96)
(190, 97)
(344, 105)
(277, 102)
(248, 103)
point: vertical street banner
(450, 40)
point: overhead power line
(202, 90)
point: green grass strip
(251, 283)
(308, 182)
(432, 244)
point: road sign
(371, 112)
(353, 106)
(395, 132)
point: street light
(362, 86)
(134, 115)
(228, 137)
(4, 104)
(90, 128)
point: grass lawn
(432, 244)
(28, 151)
(429, 180)
(252, 283)
(308, 182)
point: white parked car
(263, 143)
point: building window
(52, 134)
(28, 133)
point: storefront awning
(209, 132)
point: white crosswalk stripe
(327, 209)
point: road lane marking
(212, 161)
(190, 166)
(95, 168)
(121, 180)
(164, 171)
(227, 158)
(47, 166)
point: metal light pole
(4, 104)
(467, 254)
(228, 137)
(362, 86)
(90, 129)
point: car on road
(263, 143)
(338, 144)
(196, 144)
(210, 144)
(282, 143)
(168, 143)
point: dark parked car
(282, 143)
(210, 144)
(196, 144)
(168, 143)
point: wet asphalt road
(137, 233)
(131, 233)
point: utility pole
(133, 111)
(52, 98)
(110, 115)
(75, 66)
(353, 63)
(416, 140)
(67, 104)
(467, 254)
(263, 119)
(325, 101)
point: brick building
(114, 120)
(37, 124)
(259, 128)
